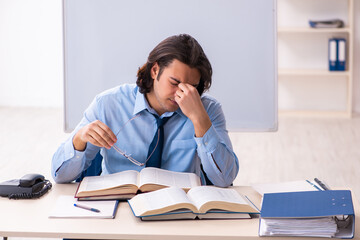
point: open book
(124, 185)
(199, 202)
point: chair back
(94, 169)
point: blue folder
(337, 54)
(341, 54)
(312, 204)
(333, 54)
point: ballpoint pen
(313, 185)
(322, 185)
(87, 208)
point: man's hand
(97, 133)
(188, 99)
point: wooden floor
(302, 148)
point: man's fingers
(184, 86)
(96, 139)
(103, 136)
(100, 135)
(107, 131)
(179, 93)
(185, 89)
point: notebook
(64, 208)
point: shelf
(290, 30)
(312, 72)
(313, 30)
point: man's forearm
(201, 125)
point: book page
(108, 181)
(174, 215)
(168, 178)
(205, 194)
(224, 215)
(160, 201)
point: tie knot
(161, 121)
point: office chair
(94, 169)
(207, 180)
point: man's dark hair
(185, 49)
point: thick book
(203, 202)
(64, 208)
(309, 214)
(126, 184)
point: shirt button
(78, 157)
(206, 143)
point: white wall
(31, 67)
(356, 86)
(310, 51)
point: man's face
(161, 97)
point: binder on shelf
(332, 54)
(337, 54)
(341, 60)
(308, 214)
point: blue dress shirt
(126, 112)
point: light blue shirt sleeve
(215, 149)
(68, 163)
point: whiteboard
(106, 41)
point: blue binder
(341, 54)
(333, 45)
(310, 205)
(337, 54)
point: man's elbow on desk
(224, 179)
(62, 178)
(64, 174)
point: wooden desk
(29, 218)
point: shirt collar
(142, 104)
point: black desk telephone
(29, 186)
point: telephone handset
(29, 186)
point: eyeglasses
(128, 156)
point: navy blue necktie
(156, 146)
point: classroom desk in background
(29, 218)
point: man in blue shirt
(123, 123)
